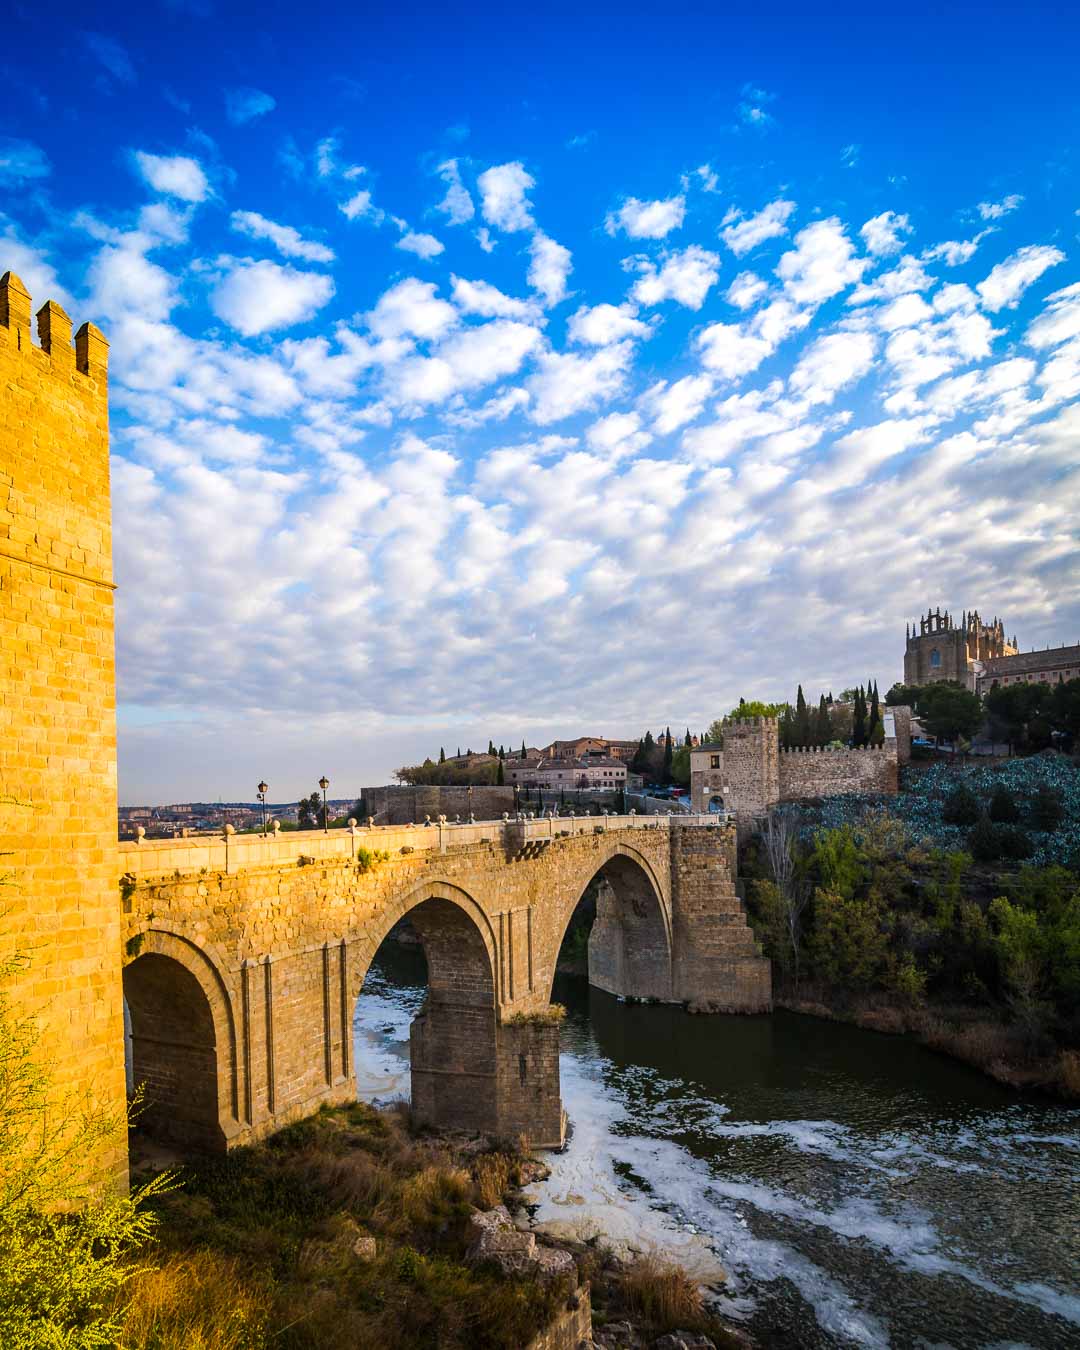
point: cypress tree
(500, 777)
(523, 754)
(822, 725)
(787, 727)
(667, 757)
(875, 712)
(688, 741)
(802, 719)
(858, 736)
(442, 755)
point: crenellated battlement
(88, 356)
(882, 750)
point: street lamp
(324, 783)
(262, 798)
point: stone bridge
(245, 957)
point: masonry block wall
(751, 767)
(280, 942)
(828, 773)
(58, 711)
(404, 805)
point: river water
(856, 1188)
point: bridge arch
(630, 944)
(183, 1043)
(453, 1041)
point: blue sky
(489, 375)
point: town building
(591, 745)
(582, 771)
(978, 655)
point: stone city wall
(406, 804)
(828, 773)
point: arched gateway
(246, 957)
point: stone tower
(938, 648)
(57, 696)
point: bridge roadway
(245, 957)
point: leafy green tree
(1003, 806)
(1047, 810)
(902, 695)
(1013, 708)
(309, 812)
(949, 712)
(1065, 710)
(961, 807)
(680, 766)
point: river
(856, 1188)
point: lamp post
(324, 783)
(262, 798)
(469, 795)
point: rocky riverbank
(348, 1229)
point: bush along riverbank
(867, 922)
(348, 1230)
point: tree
(665, 769)
(680, 766)
(902, 695)
(442, 755)
(876, 731)
(1013, 709)
(822, 725)
(500, 776)
(1003, 807)
(961, 807)
(802, 720)
(948, 711)
(689, 739)
(780, 838)
(309, 811)
(858, 734)
(1047, 810)
(523, 753)
(637, 764)
(491, 747)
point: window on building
(935, 657)
(714, 761)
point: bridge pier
(469, 1073)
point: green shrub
(1047, 810)
(982, 842)
(1014, 844)
(1003, 806)
(961, 807)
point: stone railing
(230, 852)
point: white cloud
(258, 297)
(746, 290)
(647, 220)
(503, 198)
(480, 297)
(730, 351)
(752, 110)
(412, 309)
(175, 175)
(822, 264)
(549, 269)
(830, 363)
(685, 276)
(618, 435)
(22, 161)
(952, 252)
(995, 210)
(466, 360)
(566, 383)
(1060, 320)
(907, 276)
(484, 239)
(741, 234)
(358, 206)
(247, 105)
(1008, 281)
(423, 245)
(457, 205)
(289, 242)
(671, 406)
(603, 324)
(885, 234)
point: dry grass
(663, 1294)
(258, 1247)
(197, 1302)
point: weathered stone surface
(365, 1248)
(258, 947)
(494, 1237)
(58, 698)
